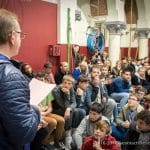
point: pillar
(142, 42)
(114, 28)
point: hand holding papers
(39, 90)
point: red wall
(39, 20)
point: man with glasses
(126, 117)
(18, 120)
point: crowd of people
(93, 107)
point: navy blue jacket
(18, 119)
(119, 85)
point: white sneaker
(68, 141)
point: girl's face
(99, 134)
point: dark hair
(93, 67)
(82, 78)
(126, 70)
(144, 116)
(97, 107)
(139, 89)
(48, 65)
(40, 75)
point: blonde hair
(103, 125)
(68, 78)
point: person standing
(19, 120)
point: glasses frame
(22, 34)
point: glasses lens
(22, 35)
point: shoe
(68, 141)
(59, 145)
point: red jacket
(109, 143)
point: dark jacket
(18, 120)
(93, 92)
(62, 101)
(59, 76)
(119, 86)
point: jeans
(118, 132)
(37, 142)
(78, 115)
(122, 98)
(110, 110)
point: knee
(52, 123)
(61, 120)
(125, 95)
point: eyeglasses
(22, 34)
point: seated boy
(86, 127)
(101, 139)
(139, 133)
(126, 117)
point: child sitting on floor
(101, 140)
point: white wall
(147, 12)
(63, 5)
(52, 1)
(141, 14)
(115, 13)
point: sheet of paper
(39, 90)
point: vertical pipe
(68, 36)
(129, 49)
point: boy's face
(48, 70)
(126, 76)
(83, 85)
(99, 134)
(142, 125)
(141, 94)
(93, 116)
(95, 72)
(105, 71)
(132, 101)
(67, 84)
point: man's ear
(12, 38)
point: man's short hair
(126, 70)
(68, 78)
(48, 65)
(93, 67)
(7, 24)
(144, 116)
(83, 78)
(97, 107)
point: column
(143, 42)
(114, 28)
